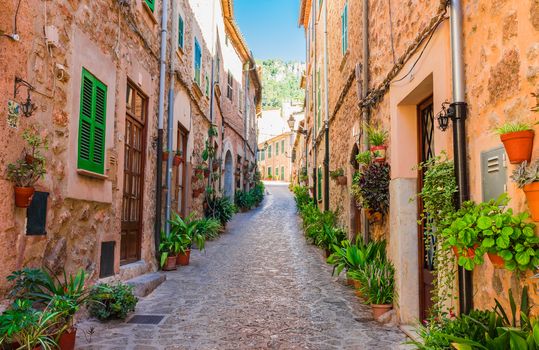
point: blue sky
(271, 28)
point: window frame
(197, 63)
(181, 32)
(344, 29)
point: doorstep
(411, 332)
(145, 284)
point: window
(282, 173)
(207, 86)
(151, 4)
(263, 155)
(181, 31)
(218, 70)
(240, 99)
(198, 62)
(276, 148)
(230, 86)
(319, 181)
(282, 146)
(344, 29)
(277, 172)
(92, 123)
(269, 171)
(269, 151)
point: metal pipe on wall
(160, 117)
(459, 138)
(364, 92)
(326, 110)
(315, 174)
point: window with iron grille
(92, 124)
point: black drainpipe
(459, 109)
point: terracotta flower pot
(379, 310)
(215, 166)
(532, 196)
(471, 251)
(165, 156)
(177, 160)
(66, 341)
(327, 253)
(358, 293)
(170, 264)
(374, 216)
(349, 281)
(496, 260)
(378, 153)
(23, 196)
(183, 258)
(29, 159)
(206, 173)
(341, 180)
(518, 145)
(356, 284)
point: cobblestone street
(260, 285)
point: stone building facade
(275, 158)
(409, 70)
(105, 54)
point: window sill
(344, 59)
(92, 174)
(149, 12)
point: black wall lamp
(447, 112)
(27, 107)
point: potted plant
(165, 155)
(517, 138)
(36, 144)
(112, 301)
(24, 176)
(178, 159)
(370, 189)
(527, 177)
(216, 164)
(338, 175)
(378, 286)
(185, 231)
(377, 140)
(169, 248)
(364, 158)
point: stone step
(145, 284)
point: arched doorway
(229, 175)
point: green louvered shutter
(180, 32)
(92, 123)
(319, 180)
(151, 4)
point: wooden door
(135, 132)
(425, 115)
(181, 173)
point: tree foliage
(281, 82)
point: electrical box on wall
(51, 35)
(493, 173)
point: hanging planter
(341, 180)
(470, 252)
(527, 177)
(23, 196)
(165, 156)
(378, 153)
(517, 138)
(206, 173)
(373, 216)
(177, 160)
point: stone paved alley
(260, 285)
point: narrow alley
(261, 285)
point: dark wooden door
(131, 231)
(180, 173)
(425, 115)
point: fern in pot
(378, 286)
(527, 177)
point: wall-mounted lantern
(443, 117)
(27, 107)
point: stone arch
(229, 175)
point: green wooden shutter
(180, 32)
(151, 4)
(319, 178)
(198, 62)
(92, 124)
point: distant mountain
(280, 82)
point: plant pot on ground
(517, 138)
(378, 286)
(66, 340)
(185, 232)
(527, 177)
(183, 257)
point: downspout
(212, 92)
(315, 108)
(170, 127)
(246, 112)
(364, 92)
(162, 72)
(326, 110)
(459, 107)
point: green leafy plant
(220, 208)
(244, 200)
(36, 145)
(490, 227)
(378, 282)
(525, 174)
(377, 135)
(301, 196)
(514, 126)
(113, 301)
(364, 158)
(329, 236)
(170, 245)
(354, 256)
(24, 174)
(209, 228)
(185, 232)
(26, 282)
(336, 173)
